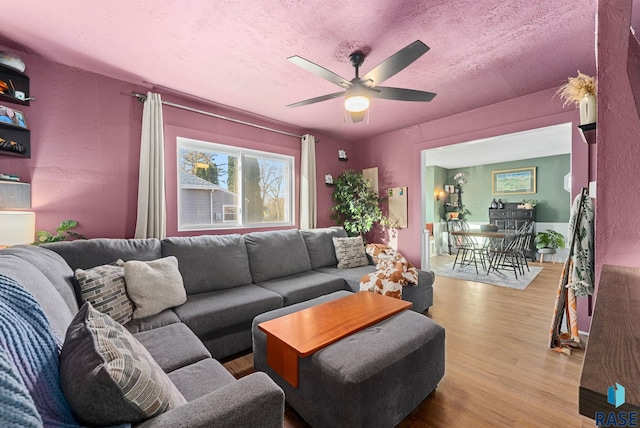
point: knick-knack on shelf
(500, 204)
(494, 204)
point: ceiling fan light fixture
(356, 103)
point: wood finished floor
(499, 371)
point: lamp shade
(356, 103)
(17, 227)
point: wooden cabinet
(15, 140)
(513, 218)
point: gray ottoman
(373, 378)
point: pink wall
(397, 154)
(618, 149)
(85, 143)
(85, 132)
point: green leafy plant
(549, 239)
(357, 206)
(62, 233)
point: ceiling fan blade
(402, 94)
(357, 117)
(320, 71)
(395, 63)
(317, 99)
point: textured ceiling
(235, 53)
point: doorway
(480, 157)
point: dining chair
(469, 251)
(509, 254)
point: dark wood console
(512, 218)
(614, 343)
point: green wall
(436, 179)
(553, 201)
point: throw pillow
(350, 252)
(154, 286)
(108, 377)
(104, 287)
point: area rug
(468, 273)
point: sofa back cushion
(320, 245)
(55, 296)
(276, 254)
(85, 254)
(210, 262)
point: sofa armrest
(252, 401)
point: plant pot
(454, 215)
(546, 250)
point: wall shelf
(588, 132)
(14, 140)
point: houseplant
(357, 206)
(62, 233)
(547, 242)
(580, 91)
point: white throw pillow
(154, 286)
(350, 252)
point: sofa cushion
(154, 286)
(199, 379)
(104, 287)
(319, 244)
(166, 317)
(206, 313)
(54, 267)
(350, 252)
(185, 347)
(350, 276)
(108, 376)
(209, 262)
(35, 281)
(276, 254)
(87, 253)
(304, 286)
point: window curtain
(308, 199)
(151, 221)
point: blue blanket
(30, 390)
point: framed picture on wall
(518, 181)
(12, 117)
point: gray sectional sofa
(229, 280)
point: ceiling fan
(359, 90)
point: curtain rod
(142, 98)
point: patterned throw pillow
(108, 377)
(350, 252)
(104, 287)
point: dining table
(480, 254)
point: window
(229, 187)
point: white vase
(588, 111)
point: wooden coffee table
(302, 333)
